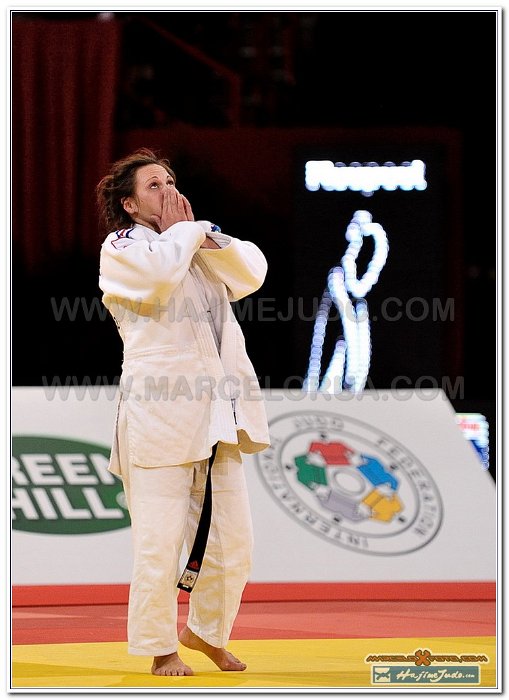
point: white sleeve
(241, 265)
(148, 271)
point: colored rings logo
(62, 486)
(350, 483)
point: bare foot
(170, 665)
(222, 658)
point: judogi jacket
(187, 381)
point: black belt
(194, 563)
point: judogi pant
(165, 505)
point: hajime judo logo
(350, 483)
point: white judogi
(186, 384)
(178, 390)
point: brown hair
(119, 183)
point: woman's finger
(171, 196)
(188, 209)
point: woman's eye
(153, 184)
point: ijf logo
(350, 483)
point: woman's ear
(129, 205)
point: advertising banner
(380, 486)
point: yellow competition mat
(285, 663)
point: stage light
(349, 366)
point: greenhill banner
(62, 487)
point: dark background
(342, 86)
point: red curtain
(64, 78)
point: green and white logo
(62, 486)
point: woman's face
(149, 184)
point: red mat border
(117, 594)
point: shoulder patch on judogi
(120, 243)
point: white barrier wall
(378, 487)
